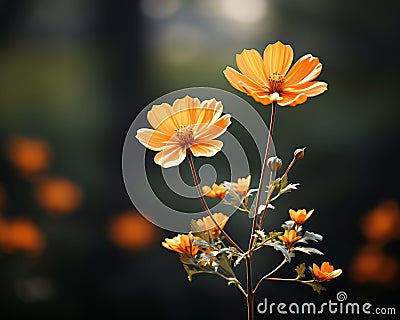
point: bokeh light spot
(130, 231)
(244, 11)
(382, 223)
(29, 155)
(20, 235)
(158, 9)
(58, 195)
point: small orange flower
(269, 79)
(207, 225)
(182, 243)
(289, 238)
(300, 216)
(217, 191)
(187, 125)
(326, 273)
(242, 186)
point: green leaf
(301, 269)
(316, 286)
(280, 247)
(284, 182)
(190, 271)
(224, 267)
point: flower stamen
(275, 80)
(185, 136)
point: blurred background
(73, 76)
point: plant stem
(270, 192)
(196, 182)
(250, 292)
(269, 274)
(264, 166)
(289, 167)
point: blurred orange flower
(207, 225)
(326, 272)
(131, 231)
(182, 243)
(29, 155)
(217, 191)
(186, 125)
(383, 223)
(242, 186)
(20, 235)
(289, 238)
(58, 195)
(300, 216)
(269, 79)
(372, 265)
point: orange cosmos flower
(300, 216)
(242, 186)
(217, 191)
(182, 243)
(207, 225)
(289, 238)
(326, 273)
(269, 79)
(186, 125)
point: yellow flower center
(184, 135)
(275, 80)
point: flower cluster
(189, 127)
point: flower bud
(274, 163)
(299, 153)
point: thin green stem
(196, 182)
(250, 292)
(289, 280)
(270, 192)
(227, 279)
(264, 166)
(269, 274)
(289, 167)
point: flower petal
(277, 58)
(207, 148)
(152, 139)
(212, 131)
(292, 99)
(310, 89)
(161, 118)
(251, 64)
(183, 108)
(170, 156)
(305, 69)
(238, 80)
(264, 97)
(209, 112)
